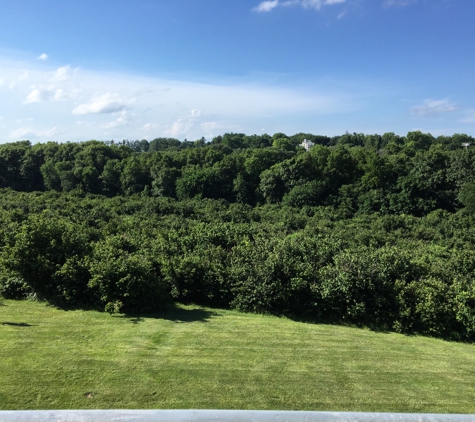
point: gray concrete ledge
(218, 415)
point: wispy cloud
(318, 4)
(398, 3)
(38, 95)
(103, 104)
(268, 5)
(63, 73)
(196, 121)
(52, 86)
(340, 15)
(125, 106)
(27, 133)
(122, 120)
(43, 56)
(433, 108)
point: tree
(110, 177)
(162, 144)
(90, 162)
(417, 140)
(135, 175)
(123, 274)
(49, 255)
(467, 196)
(284, 144)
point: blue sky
(123, 69)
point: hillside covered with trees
(361, 229)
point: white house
(307, 144)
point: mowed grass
(194, 357)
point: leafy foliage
(362, 229)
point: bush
(13, 287)
(360, 286)
(121, 272)
(427, 306)
(47, 254)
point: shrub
(121, 272)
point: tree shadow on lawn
(173, 313)
(17, 324)
(340, 323)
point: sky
(74, 70)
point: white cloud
(61, 94)
(43, 56)
(38, 95)
(62, 73)
(199, 124)
(160, 106)
(433, 108)
(318, 4)
(24, 133)
(184, 124)
(267, 6)
(103, 104)
(340, 15)
(120, 121)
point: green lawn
(203, 358)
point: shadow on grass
(375, 328)
(339, 323)
(175, 314)
(18, 324)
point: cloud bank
(72, 104)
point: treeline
(414, 175)
(368, 230)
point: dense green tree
(110, 182)
(233, 140)
(467, 196)
(284, 144)
(11, 157)
(124, 276)
(417, 140)
(161, 144)
(90, 162)
(49, 255)
(164, 182)
(135, 175)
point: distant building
(307, 144)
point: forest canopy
(372, 230)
